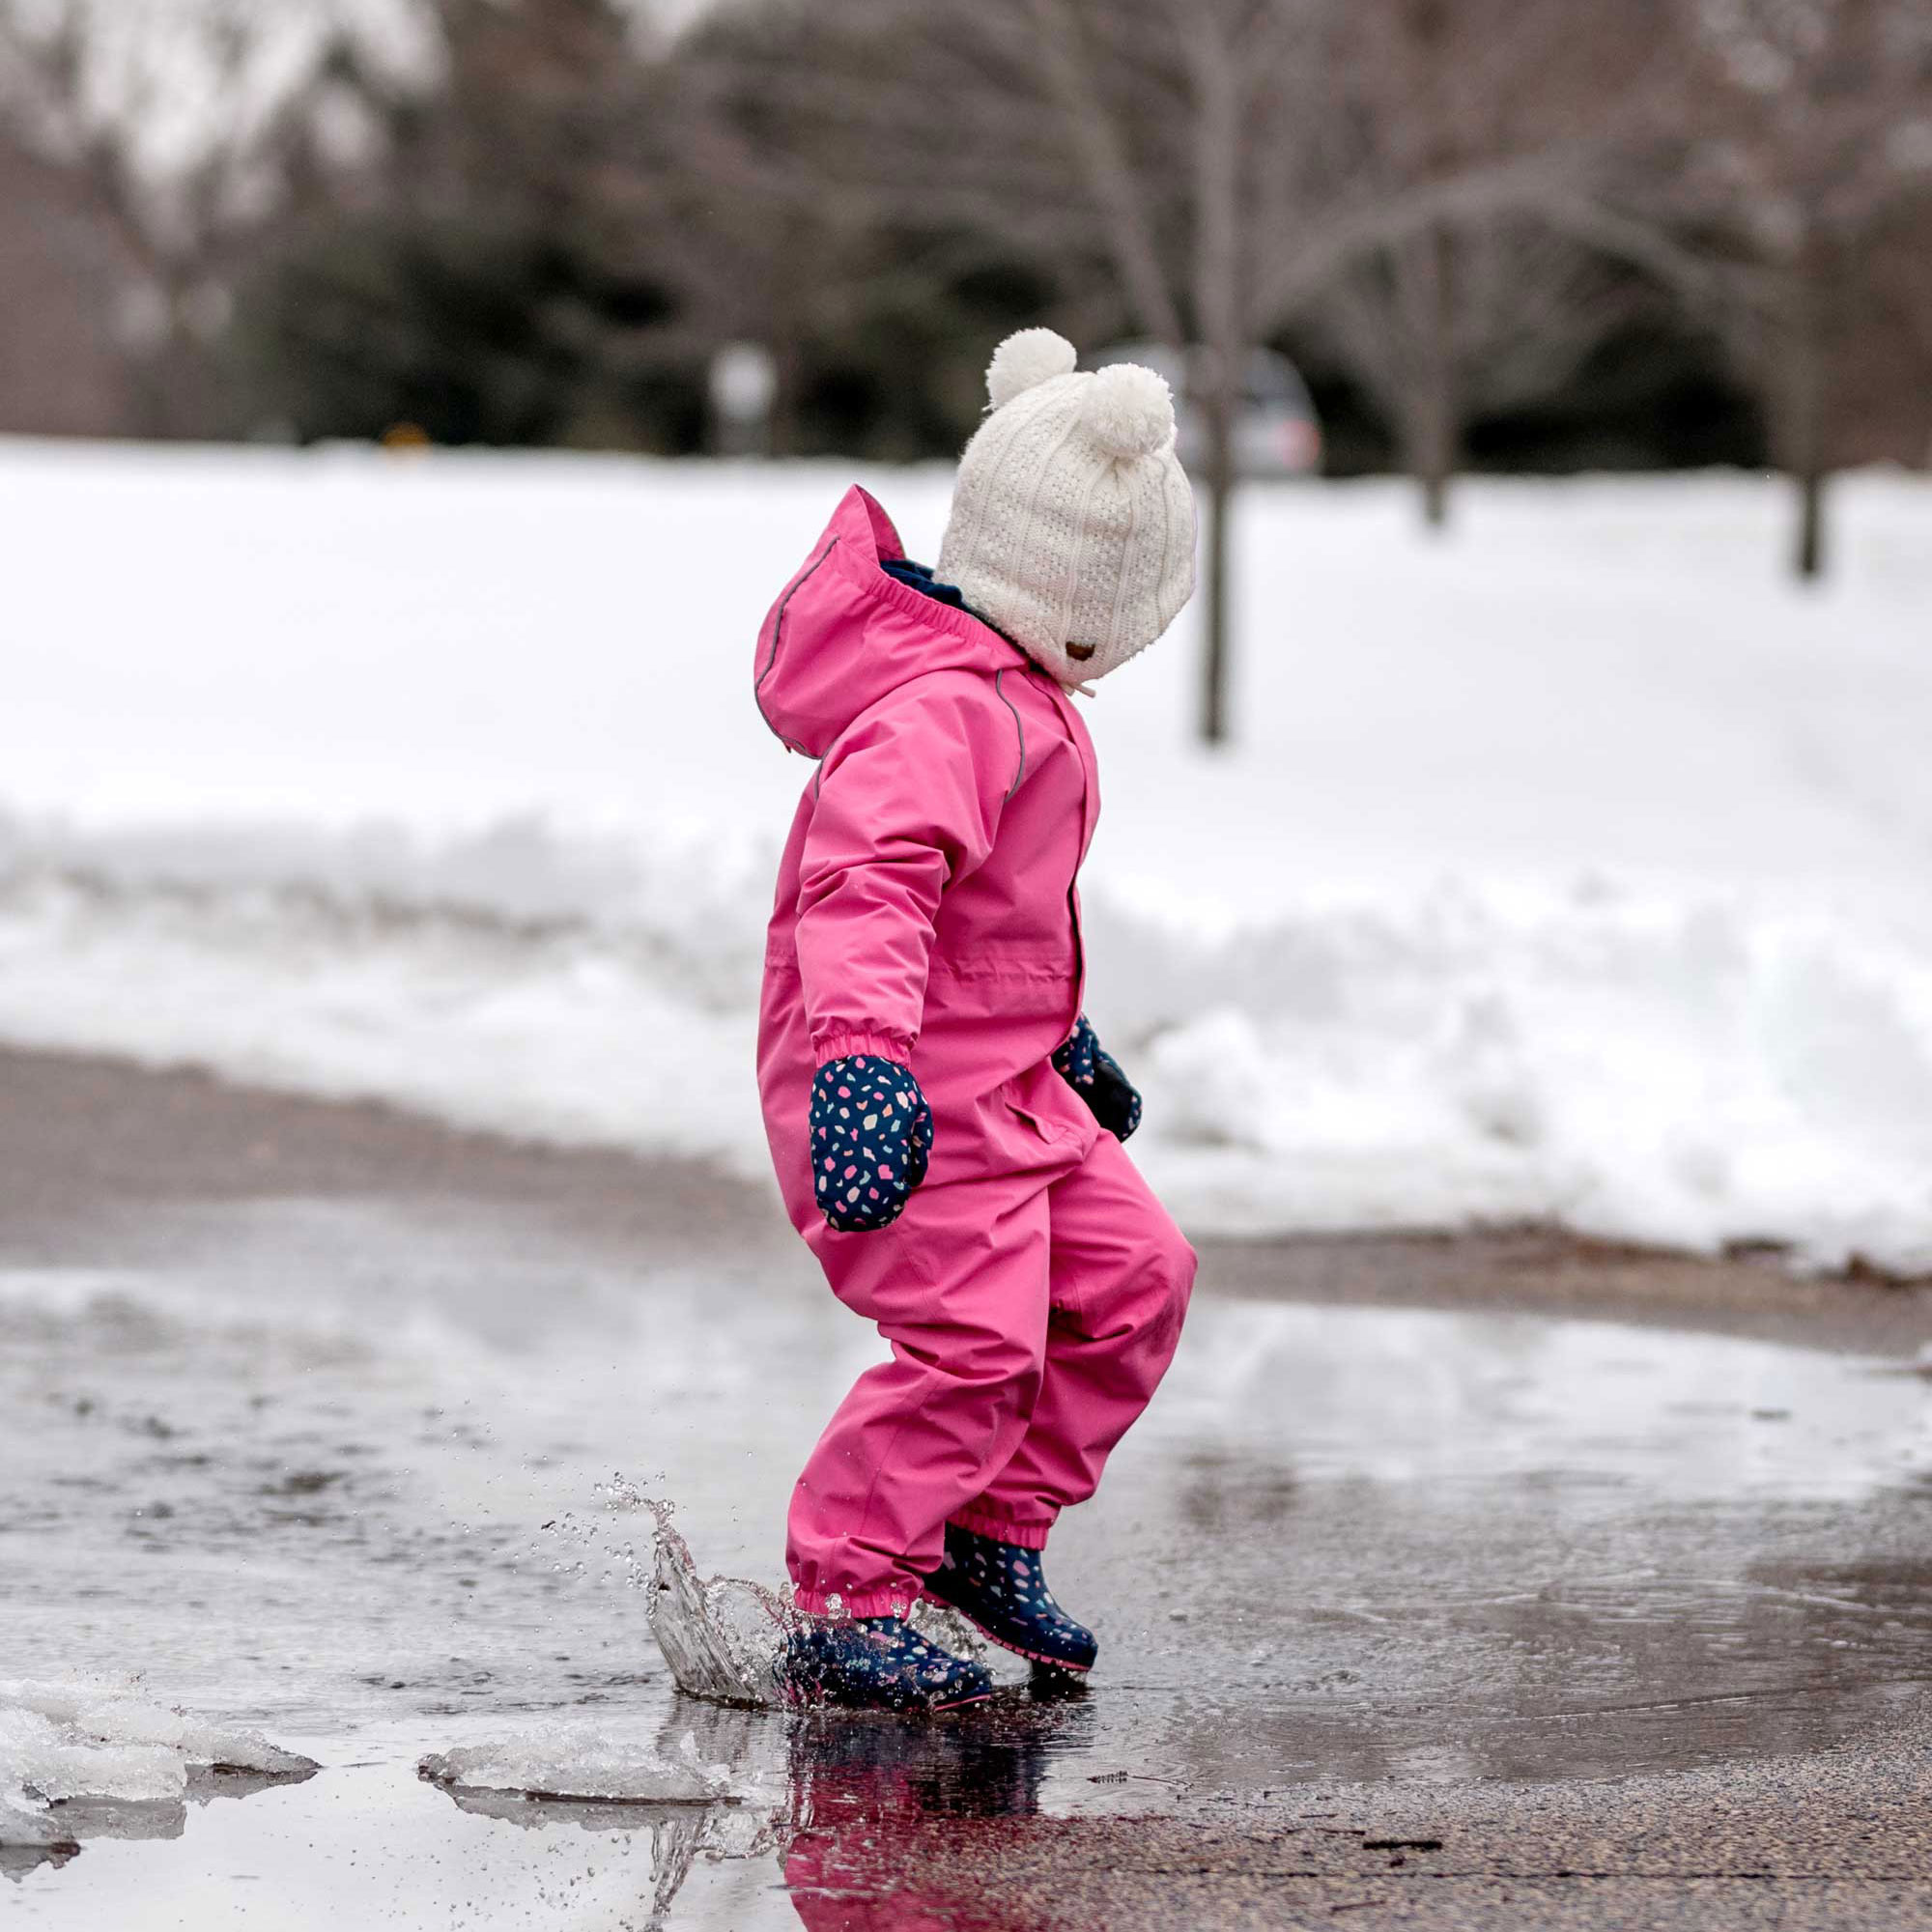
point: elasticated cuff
(843, 1045)
(1003, 1529)
(895, 1600)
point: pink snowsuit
(1033, 1289)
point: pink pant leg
(1121, 1275)
(958, 1288)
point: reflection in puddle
(866, 1800)
(852, 1812)
(679, 1835)
(76, 1823)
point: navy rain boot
(1002, 1589)
(876, 1663)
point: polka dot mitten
(876, 1663)
(1002, 1588)
(872, 1137)
(1094, 1074)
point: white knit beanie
(1072, 525)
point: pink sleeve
(907, 802)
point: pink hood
(925, 908)
(843, 634)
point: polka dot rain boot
(1002, 1589)
(876, 1663)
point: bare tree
(1200, 155)
(1484, 306)
(1891, 353)
(1451, 326)
(62, 371)
(1813, 127)
(179, 128)
(763, 248)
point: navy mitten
(1094, 1074)
(872, 1137)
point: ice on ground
(562, 1760)
(61, 1742)
(1575, 870)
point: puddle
(1345, 1544)
(820, 1808)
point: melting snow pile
(562, 1761)
(1576, 868)
(1687, 1073)
(62, 1742)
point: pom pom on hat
(1023, 361)
(1130, 409)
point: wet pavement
(1400, 1606)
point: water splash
(721, 1636)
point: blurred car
(1276, 430)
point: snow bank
(562, 1761)
(78, 1741)
(1683, 1070)
(1576, 868)
(517, 982)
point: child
(946, 1129)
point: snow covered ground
(1578, 868)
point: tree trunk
(1434, 430)
(1222, 357)
(787, 367)
(1433, 464)
(1218, 406)
(1435, 499)
(1805, 437)
(1810, 553)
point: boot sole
(795, 1700)
(963, 1703)
(1017, 1649)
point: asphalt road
(1483, 1582)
